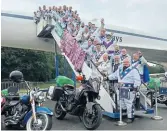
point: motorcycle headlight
(40, 97)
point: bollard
(120, 122)
(156, 117)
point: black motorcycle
(79, 101)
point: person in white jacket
(81, 30)
(124, 55)
(105, 66)
(129, 78)
(139, 62)
(105, 69)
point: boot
(130, 120)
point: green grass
(45, 85)
(41, 86)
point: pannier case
(55, 92)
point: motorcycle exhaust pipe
(10, 122)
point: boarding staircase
(53, 29)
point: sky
(149, 16)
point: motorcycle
(161, 99)
(78, 101)
(25, 111)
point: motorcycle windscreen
(95, 83)
(13, 90)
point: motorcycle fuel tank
(25, 99)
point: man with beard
(129, 79)
(124, 55)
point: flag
(146, 76)
(59, 30)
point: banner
(72, 50)
(58, 29)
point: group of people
(102, 50)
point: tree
(35, 65)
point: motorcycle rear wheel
(98, 114)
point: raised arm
(143, 61)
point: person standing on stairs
(130, 81)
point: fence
(6, 84)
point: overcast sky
(145, 15)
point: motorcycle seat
(17, 97)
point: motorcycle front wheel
(92, 121)
(44, 122)
(148, 95)
(58, 112)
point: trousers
(128, 104)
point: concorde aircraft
(20, 31)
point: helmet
(166, 74)
(16, 76)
